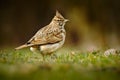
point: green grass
(69, 65)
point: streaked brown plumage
(49, 38)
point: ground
(68, 64)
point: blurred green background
(93, 24)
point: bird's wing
(45, 36)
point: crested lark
(49, 38)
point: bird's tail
(22, 46)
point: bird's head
(59, 19)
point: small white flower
(111, 52)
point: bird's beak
(66, 20)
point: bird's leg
(43, 57)
(53, 56)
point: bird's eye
(58, 20)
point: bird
(50, 38)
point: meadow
(68, 64)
